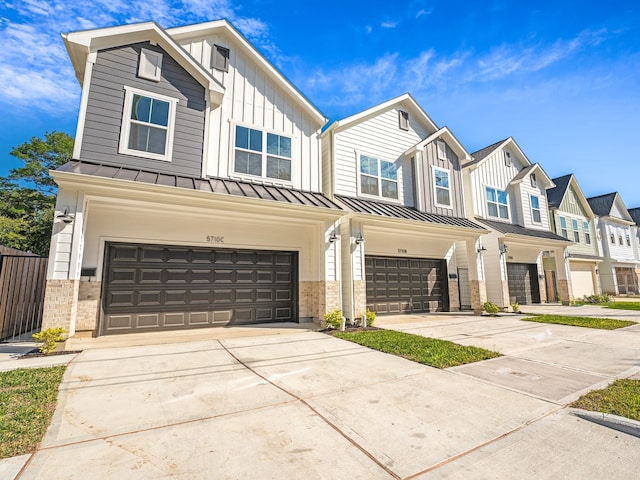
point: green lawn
(429, 351)
(602, 323)
(624, 305)
(621, 398)
(27, 401)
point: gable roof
(522, 174)
(405, 100)
(453, 143)
(603, 204)
(216, 26)
(635, 214)
(482, 154)
(82, 44)
(556, 194)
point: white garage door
(581, 280)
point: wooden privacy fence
(22, 285)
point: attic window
(403, 118)
(220, 58)
(507, 159)
(534, 182)
(150, 65)
(442, 150)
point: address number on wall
(402, 250)
(215, 239)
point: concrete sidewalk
(305, 405)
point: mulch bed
(333, 331)
(36, 353)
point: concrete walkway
(300, 404)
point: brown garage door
(523, 283)
(405, 285)
(150, 287)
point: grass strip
(27, 400)
(588, 322)
(429, 351)
(624, 305)
(621, 398)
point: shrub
(49, 338)
(371, 317)
(333, 319)
(604, 298)
(515, 307)
(491, 308)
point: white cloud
(422, 12)
(389, 24)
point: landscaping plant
(491, 308)
(333, 319)
(371, 317)
(49, 338)
(515, 307)
(604, 298)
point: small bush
(491, 308)
(604, 298)
(515, 307)
(49, 338)
(371, 317)
(333, 319)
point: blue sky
(561, 77)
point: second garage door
(150, 287)
(581, 280)
(523, 283)
(405, 285)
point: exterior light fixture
(65, 217)
(333, 237)
(360, 239)
(481, 248)
(503, 249)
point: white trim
(533, 220)
(433, 184)
(398, 180)
(84, 102)
(149, 58)
(486, 203)
(441, 150)
(123, 147)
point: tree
(28, 193)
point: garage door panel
(522, 279)
(139, 296)
(404, 285)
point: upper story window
(441, 187)
(378, 177)
(403, 120)
(150, 65)
(497, 205)
(220, 58)
(148, 123)
(507, 159)
(620, 239)
(612, 237)
(442, 150)
(534, 181)
(628, 240)
(563, 227)
(587, 233)
(262, 154)
(576, 232)
(535, 209)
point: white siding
(619, 252)
(253, 98)
(526, 190)
(379, 137)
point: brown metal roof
(399, 211)
(214, 185)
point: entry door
(464, 289)
(550, 283)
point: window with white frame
(441, 187)
(563, 227)
(442, 150)
(535, 209)
(576, 232)
(148, 123)
(587, 233)
(378, 177)
(262, 154)
(497, 205)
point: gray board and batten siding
(452, 163)
(116, 68)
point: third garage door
(523, 283)
(405, 285)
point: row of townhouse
(204, 191)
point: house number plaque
(402, 250)
(215, 239)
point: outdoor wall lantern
(481, 248)
(503, 249)
(65, 217)
(333, 237)
(360, 239)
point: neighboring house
(194, 194)
(617, 229)
(572, 217)
(507, 193)
(406, 245)
(635, 236)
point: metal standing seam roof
(382, 209)
(556, 194)
(519, 230)
(212, 184)
(635, 214)
(602, 204)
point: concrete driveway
(305, 405)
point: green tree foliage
(28, 193)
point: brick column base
(454, 296)
(478, 295)
(60, 304)
(563, 292)
(359, 297)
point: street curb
(622, 424)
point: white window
(587, 233)
(442, 150)
(147, 124)
(403, 119)
(441, 187)
(534, 181)
(507, 159)
(535, 209)
(220, 58)
(497, 205)
(262, 154)
(628, 240)
(576, 232)
(563, 227)
(378, 178)
(150, 66)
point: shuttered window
(220, 58)
(150, 66)
(403, 120)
